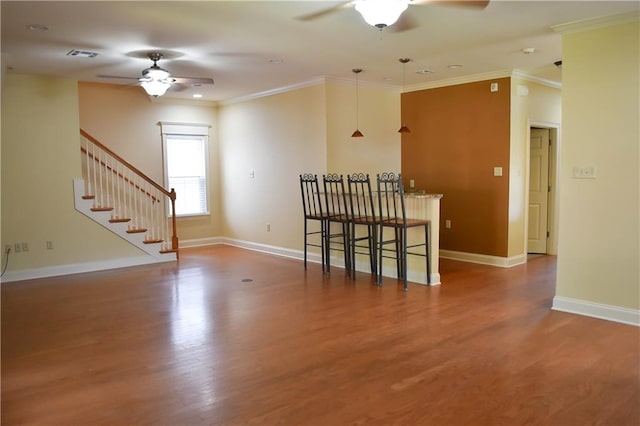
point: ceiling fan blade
(469, 4)
(117, 77)
(321, 13)
(404, 23)
(193, 80)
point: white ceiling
(234, 41)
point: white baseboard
(200, 242)
(265, 248)
(414, 277)
(597, 310)
(503, 262)
(79, 268)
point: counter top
(420, 194)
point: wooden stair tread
(120, 220)
(101, 209)
(152, 241)
(88, 197)
(136, 231)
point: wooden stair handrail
(170, 194)
(120, 175)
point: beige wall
(126, 120)
(378, 120)
(281, 136)
(277, 137)
(40, 159)
(599, 252)
(531, 102)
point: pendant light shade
(381, 13)
(357, 133)
(403, 61)
(155, 87)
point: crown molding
(534, 79)
(412, 88)
(352, 82)
(181, 101)
(277, 90)
(459, 80)
(598, 22)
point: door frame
(554, 173)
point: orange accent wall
(458, 135)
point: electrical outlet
(268, 227)
(25, 246)
(17, 247)
(49, 245)
(447, 224)
(7, 248)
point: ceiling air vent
(82, 53)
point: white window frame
(187, 131)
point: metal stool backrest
(361, 201)
(391, 198)
(311, 196)
(335, 196)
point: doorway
(542, 204)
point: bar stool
(336, 213)
(391, 207)
(362, 215)
(312, 209)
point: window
(185, 159)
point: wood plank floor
(196, 343)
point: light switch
(252, 174)
(494, 87)
(412, 183)
(588, 172)
(497, 171)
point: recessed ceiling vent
(82, 53)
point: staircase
(124, 200)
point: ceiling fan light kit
(155, 87)
(155, 80)
(381, 13)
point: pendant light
(403, 61)
(357, 133)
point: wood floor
(234, 337)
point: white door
(538, 191)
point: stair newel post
(135, 202)
(145, 208)
(174, 236)
(113, 199)
(154, 216)
(126, 193)
(95, 175)
(108, 176)
(99, 165)
(119, 179)
(87, 167)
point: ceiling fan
(156, 80)
(384, 13)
